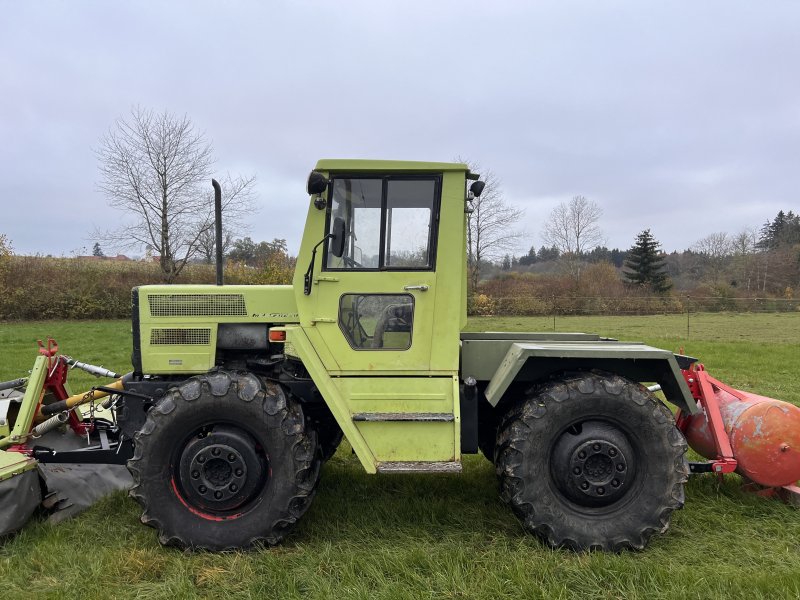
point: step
(419, 467)
(416, 417)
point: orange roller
(764, 433)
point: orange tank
(764, 435)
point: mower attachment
(90, 453)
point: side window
(377, 321)
(390, 222)
(409, 223)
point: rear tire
(592, 462)
(224, 461)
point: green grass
(433, 536)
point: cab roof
(362, 165)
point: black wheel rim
(221, 470)
(593, 464)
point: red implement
(755, 436)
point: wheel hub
(592, 464)
(221, 470)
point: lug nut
(620, 467)
(202, 489)
(584, 486)
(601, 491)
(201, 459)
(218, 495)
(577, 470)
(239, 472)
(215, 451)
(581, 454)
(231, 457)
(615, 482)
(233, 487)
(195, 474)
(596, 447)
(612, 452)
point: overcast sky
(682, 117)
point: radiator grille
(174, 336)
(197, 305)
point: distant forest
(764, 262)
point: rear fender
(536, 361)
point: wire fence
(686, 313)
(626, 305)
(555, 306)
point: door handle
(421, 288)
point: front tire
(224, 461)
(592, 462)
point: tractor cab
(380, 291)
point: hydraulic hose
(73, 401)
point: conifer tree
(645, 265)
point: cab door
(375, 302)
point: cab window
(390, 222)
(377, 321)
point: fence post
(688, 301)
(553, 309)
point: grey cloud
(680, 117)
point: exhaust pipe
(218, 227)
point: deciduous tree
(573, 228)
(492, 225)
(156, 167)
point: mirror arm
(310, 271)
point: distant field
(434, 536)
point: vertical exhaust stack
(218, 227)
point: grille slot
(174, 336)
(197, 305)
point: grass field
(434, 536)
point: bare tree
(491, 227)
(745, 242)
(157, 167)
(573, 228)
(714, 251)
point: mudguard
(536, 360)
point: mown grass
(433, 536)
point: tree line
(765, 262)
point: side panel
(390, 411)
(176, 326)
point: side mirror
(317, 183)
(477, 188)
(337, 237)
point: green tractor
(239, 394)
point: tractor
(239, 394)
